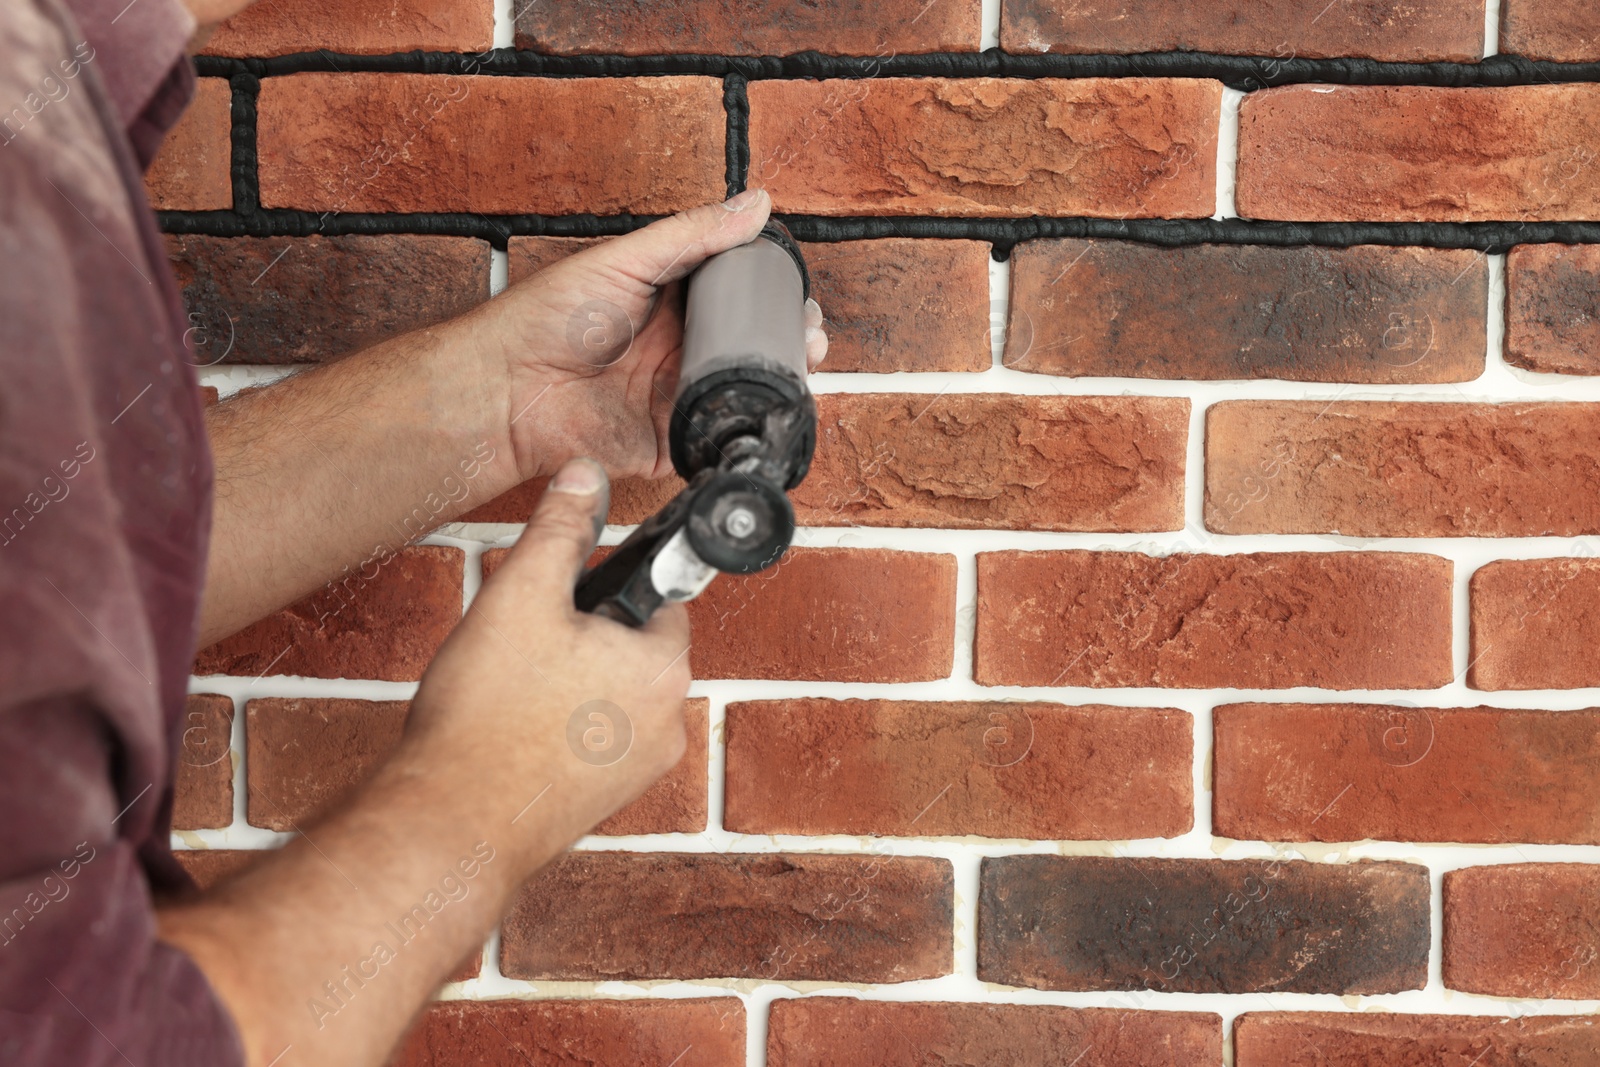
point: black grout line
(246, 189)
(1245, 73)
(737, 104)
(1002, 233)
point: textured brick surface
(1337, 772)
(434, 142)
(1123, 147)
(916, 768)
(311, 299)
(1351, 1039)
(1553, 308)
(204, 765)
(208, 866)
(1379, 469)
(1523, 930)
(830, 614)
(1535, 624)
(603, 916)
(1362, 314)
(191, 171)
(753, 28)
(1203, 926)
(1565, 31)
(836, 1031)
(387, 628)
(304, 755)
(1407, 153)
(1439, 29)
(1336, 620)
(903, 304)
(558, 1033)
(279, 27)
(990, 461)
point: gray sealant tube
(746, 307)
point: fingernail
(812, 305)
(748, 198)
(813, 335)
(582, 477)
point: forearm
(347, 463)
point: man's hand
(592, 343)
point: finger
(813, 313)
(816, 347)
(670, 627)
(667, 250)
(563, 530)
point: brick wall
(1189, 649)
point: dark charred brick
(1553, 308)
(1203, 926)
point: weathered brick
(903, 304)
(1107, 147)
(1348, 772)
(280, 27)
(830, 614)
(1362, 314)
(1523, 930)
(386, 628)
(1419, 153)
(191, 172)
(841, 1031)
(1564, 31)
(991, 461)
(1348, 1039)
(1535, 624)
(1280, 29)
(204, 765)
(527, 256)
(208, 866)
(1203, 926)
(303, 755)
(436, 142)
(555, 1033)
(1553, 308)
(925, 769)
(618, 916)
(1335, 620)
(313, 299)
(1380, 469)
(754, 28)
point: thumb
(563, 530)
(667, 250)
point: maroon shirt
(104, 513)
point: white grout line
(990, 19)
(1491, 27)
(499, 272)
(1228, 154)
(504, 25)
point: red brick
(209, 866)
(314, 299)
(1203, 926)
(1380, 469)
(1418, 153)
(830, 614)
(847, 1032)
(903, 304)
(1348, 1039)
(210, 395)
(387, 628)
(436, 142)
(676, 803)
(191, 172)
(1523, 930)
(991, 461)
(619, 916)
(527, 256)
(1107, 147)
(1348, 772)
(1535, 624)
(280, 27)
(1563, 31)
(1553, 308)
(1314, 29)
(754, 28)
(925, 769)
(302, 756)
(204, 770)
(1334, 620)
(559, 1033)
(1362, 314)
